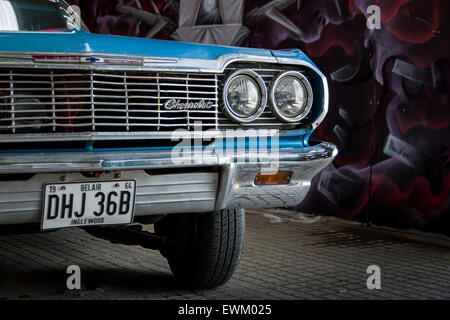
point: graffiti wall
(389, 111)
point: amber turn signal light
(281, 177)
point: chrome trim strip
(43, 32)
(101, 136)
(25, 59)
(119, 161)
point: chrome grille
(83, 101)
(46, 101)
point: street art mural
(389, 111)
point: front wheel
(205, 248)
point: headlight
(245, 96)
(291, 97)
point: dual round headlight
(291, 97)
(245, 96)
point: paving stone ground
(286, 256)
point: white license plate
(78, 204)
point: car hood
(85, 42)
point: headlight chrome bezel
(309, 91)
(263, 96)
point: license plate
(78, 204)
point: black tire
(204, 249)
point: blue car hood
(85, 42)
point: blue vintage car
(100, 132)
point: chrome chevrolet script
(174, 104)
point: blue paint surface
(85, 42)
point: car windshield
(38, 15)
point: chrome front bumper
(212, 182)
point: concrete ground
(286, 256)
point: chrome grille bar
(92, 101)
(52, 84)
(11, 85)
